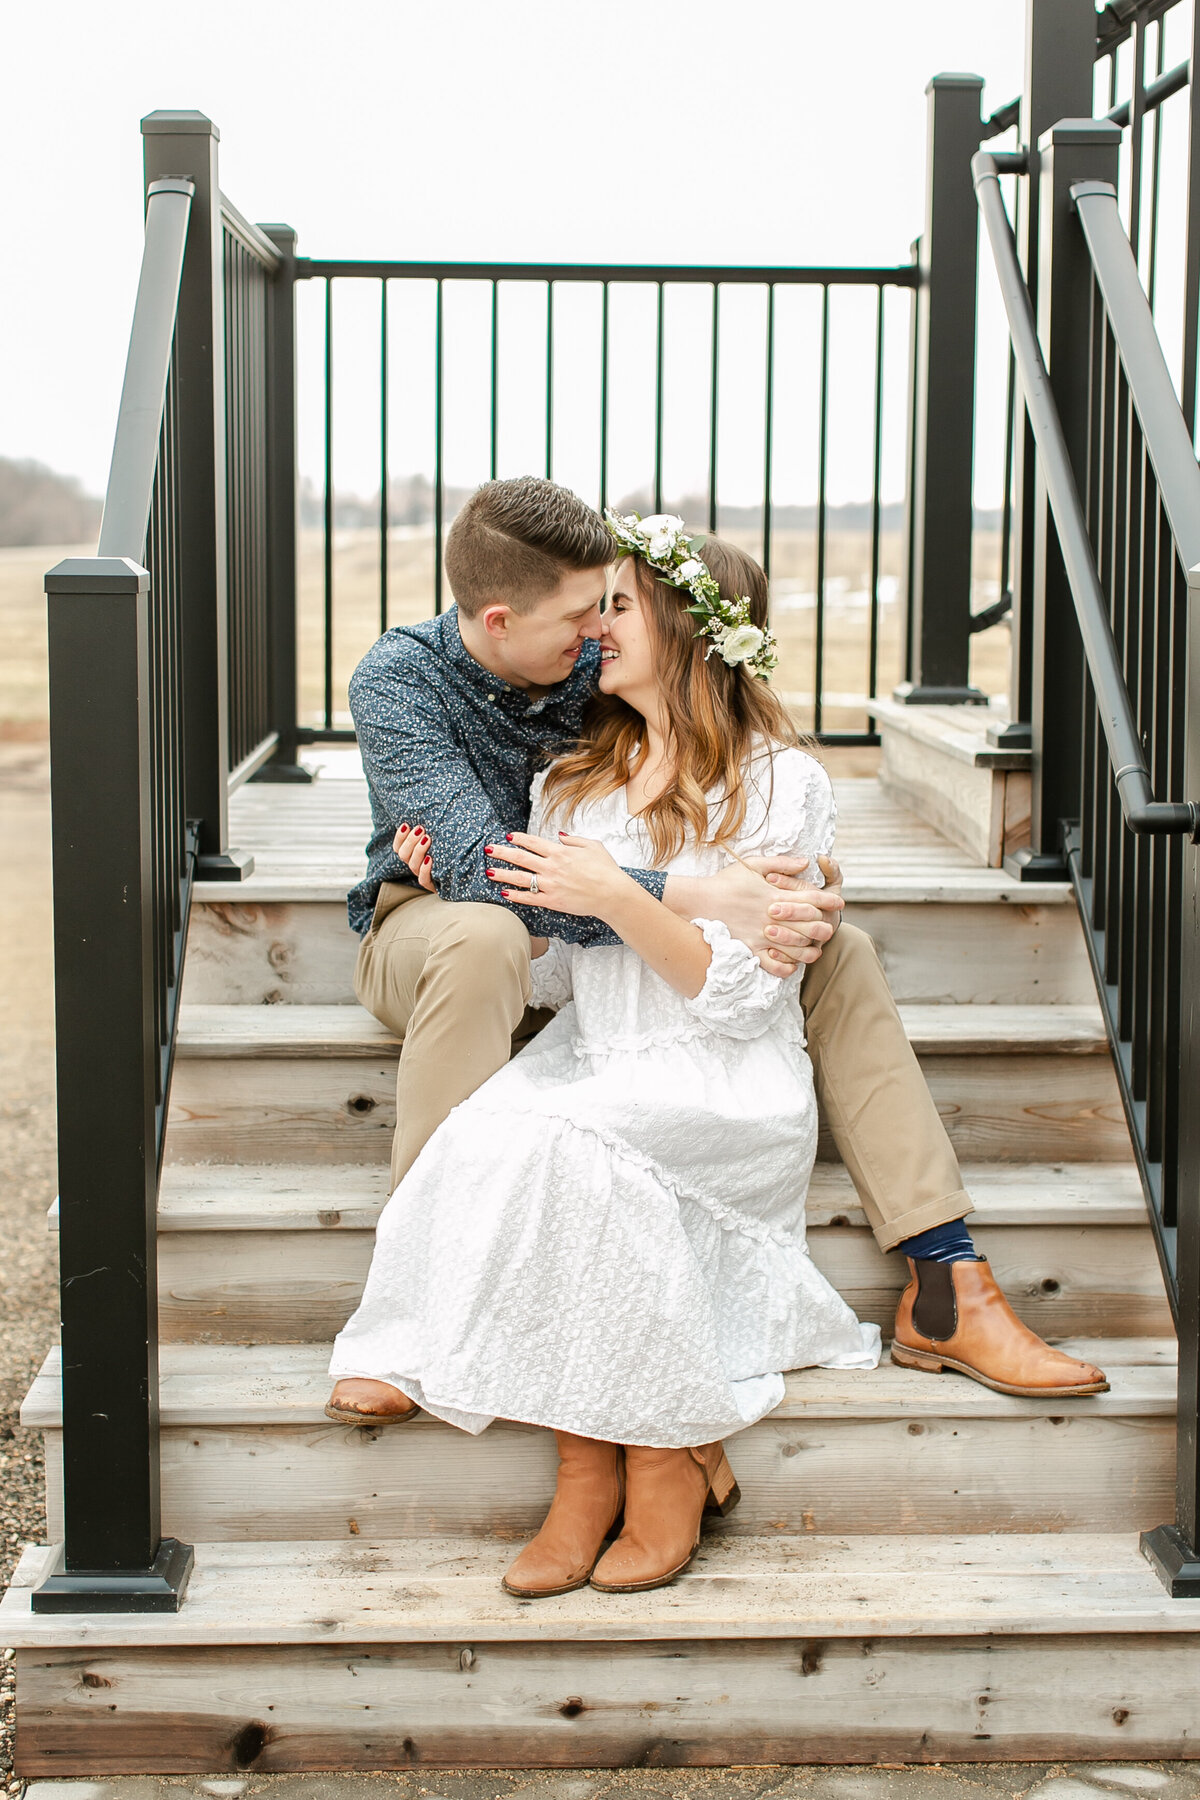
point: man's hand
(802, 923)
(746, 897)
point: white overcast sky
(774, 131)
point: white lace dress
(608, 1236)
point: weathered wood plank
(299, 1197)
(796, 1700)
(1014, 954)
(958, 797)
(336, 1109)
(937, 1030)
(308, 845)
(301, 1286)
(447, 1589)
(251, 1457)
(286, 1384)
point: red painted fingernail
(506, 893)
(403, 829)
(508, 837)
(428, 860)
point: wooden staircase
(920, 1569)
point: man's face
(541, 647)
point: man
(454, 716)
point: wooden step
(248, 1454)
(367, 1655)
(279, 1254)
(1008, 950)
(317, 1083)
(937, 762)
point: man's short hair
(513, 542)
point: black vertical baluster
(1128, 646)
(1087, 787)
(1155, 160)
(1176, 646)
(1137, 113)
(438, 498)
(658, 401)
(328, 504)
(385, 506)
(604, 396)
(769, 432)
(1006, 517)
(549, 379)
(231, 627)
(1157, 1075)
(493, 423)
(1191, 280)
(876, 484)
(714, 393)
(1104, 533)
(822, 460)
(1117, 601)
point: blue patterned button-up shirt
(449, 746)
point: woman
(608, 1237)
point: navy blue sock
(949, 1243)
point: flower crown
(663, 542)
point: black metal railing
(1113, 62)
(173, 836)
(1119, 570)
(249, 262)
(124, 853)
(442, 280)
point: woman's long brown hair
(718, 717)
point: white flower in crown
(664, 531)
(738, 643)
(689, 570)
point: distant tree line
(410, 502)
(39, 506)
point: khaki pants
(453, 981)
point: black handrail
(1142, 812)
(124, 864)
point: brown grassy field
(357, 620)
(23, 694)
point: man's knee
(848, 958)
(483, 935)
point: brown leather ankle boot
(586, 1505)
(667, 1493)
(954, 1316)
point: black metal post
(943, 416)
(114, 1558)
(282, 487)
(1073, 150)
(1174, 1549)
(185, 144)
(1060, 56)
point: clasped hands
(763, 900)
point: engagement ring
(533, 886)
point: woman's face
(626, 646)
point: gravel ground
(961, 1781)
(28, 1315)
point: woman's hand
(412, 846)
(574, 874)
